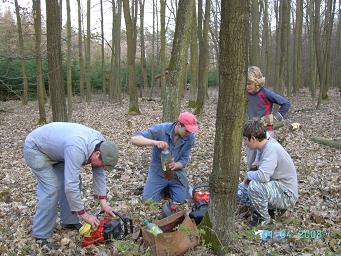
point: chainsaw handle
(204, 185)
(123, 220)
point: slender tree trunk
(230, 111)
(54, 58)
(102, 49)
(153, 54)
(203, 56)
(162, 47)
(131, 51)
(297, 81)
(39, 75)
(283, 72)
(87, 53)
(142, 46)
(80, 52)
(318, 47)
(194, 62)
(255, 50)
(312, 56)
(266, 39)
(69, 78)
(177, 64)
(21, 54)
(338, 50)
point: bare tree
(102, 49)
(194, 62)
(163, 46)
(69, 78)
(130, 20)
(297, 81)
(39, 75)
(87, 53)
(80, 52)
(230, 111)
(142, 46)
(255, 17)
(177, 64)
(54, 58)
(203, 55)
(21, 54)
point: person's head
(105, 155)
(255, 79)
(253, 133)
(186, 124)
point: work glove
(269, 119)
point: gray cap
(109, 154)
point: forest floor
(314, 225)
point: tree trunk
(153, 54)
(131, 51)
(203, 55)
(193, 92)
(102, 49)
(284, 30)
(162, 47)
(311, 46)
(266, 40)
(142, 46)
(21, 54)
(39, 75)
(69, 78)
(297, 81)
(177, 64)
(87, 53)
(230, 111)
(54, 58)
(255, 14)
(80, 52)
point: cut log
(334, 143)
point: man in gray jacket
(55, 152)
(274, 184)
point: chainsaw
(201, 199)
(107, 230)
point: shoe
(276, 213)
(255, 220)
(43, 242)
(75, 226)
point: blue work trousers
(50, 193)
(156, 183)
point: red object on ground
(96, 236)
(201, 195)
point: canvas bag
(172, 242)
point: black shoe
(255, 220)
(276, 213)
(76, 226)
(43, 242)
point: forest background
(176, 64)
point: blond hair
(254, 74)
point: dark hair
(254, 128)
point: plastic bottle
(152, 228)
(166, 159)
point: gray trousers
(264, 196)
(50, 193)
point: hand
(175, 165)
(246, 181)
(106, 207)
(91, 219)
(267, 120)
(161, 144)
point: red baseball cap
(189, 121)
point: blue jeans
(50, 193)
(178, 186)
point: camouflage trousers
(265, 196)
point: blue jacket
(165, 132)
(261, 103)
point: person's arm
(283, 102)
(73, 160)
(139, 140)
